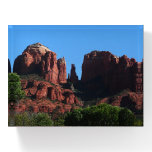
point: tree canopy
(101, 115)
(15, 91)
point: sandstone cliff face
(130, 100)
(138, 77)
(9, 66)
(73, 76)
(46, 97)
(42, 89)
(116, 73)
(62, 70)
(40, 60)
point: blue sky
(73, 42)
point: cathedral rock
(115, 73)
(38, 59)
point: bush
(73, 118)
(22, 119)
(126, 117)
(139, 120)
(41, 119)
(101, 115)
(26, 119)
(59, 121)
(138, 123)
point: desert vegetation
(101, 115)
(15, 92)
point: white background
(98, 12)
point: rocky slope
(40, 60)
(128, 99)
(115, 73)
(43, 96)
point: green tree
(22, 119)
(41, 119)
(126, 117)
(15, 92)
(59, 121)
(138, 122)
(101, 115)
(74, 118)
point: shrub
(22, 119)
(139, 120)
(26, 119)
(138, 123)
(41, 119)
(101, 115)
(126, 117)
(73, 118)
(59, 121)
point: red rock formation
(116, 73)
(138, 77)
(62, 70)
(95, 64)
(9, 66)
(49, 68)
(46, 97)
(130, 100)
(35, 109)
(42, 91)
(55, 94)
(73, 76)
(40, 60)
(70, 98)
